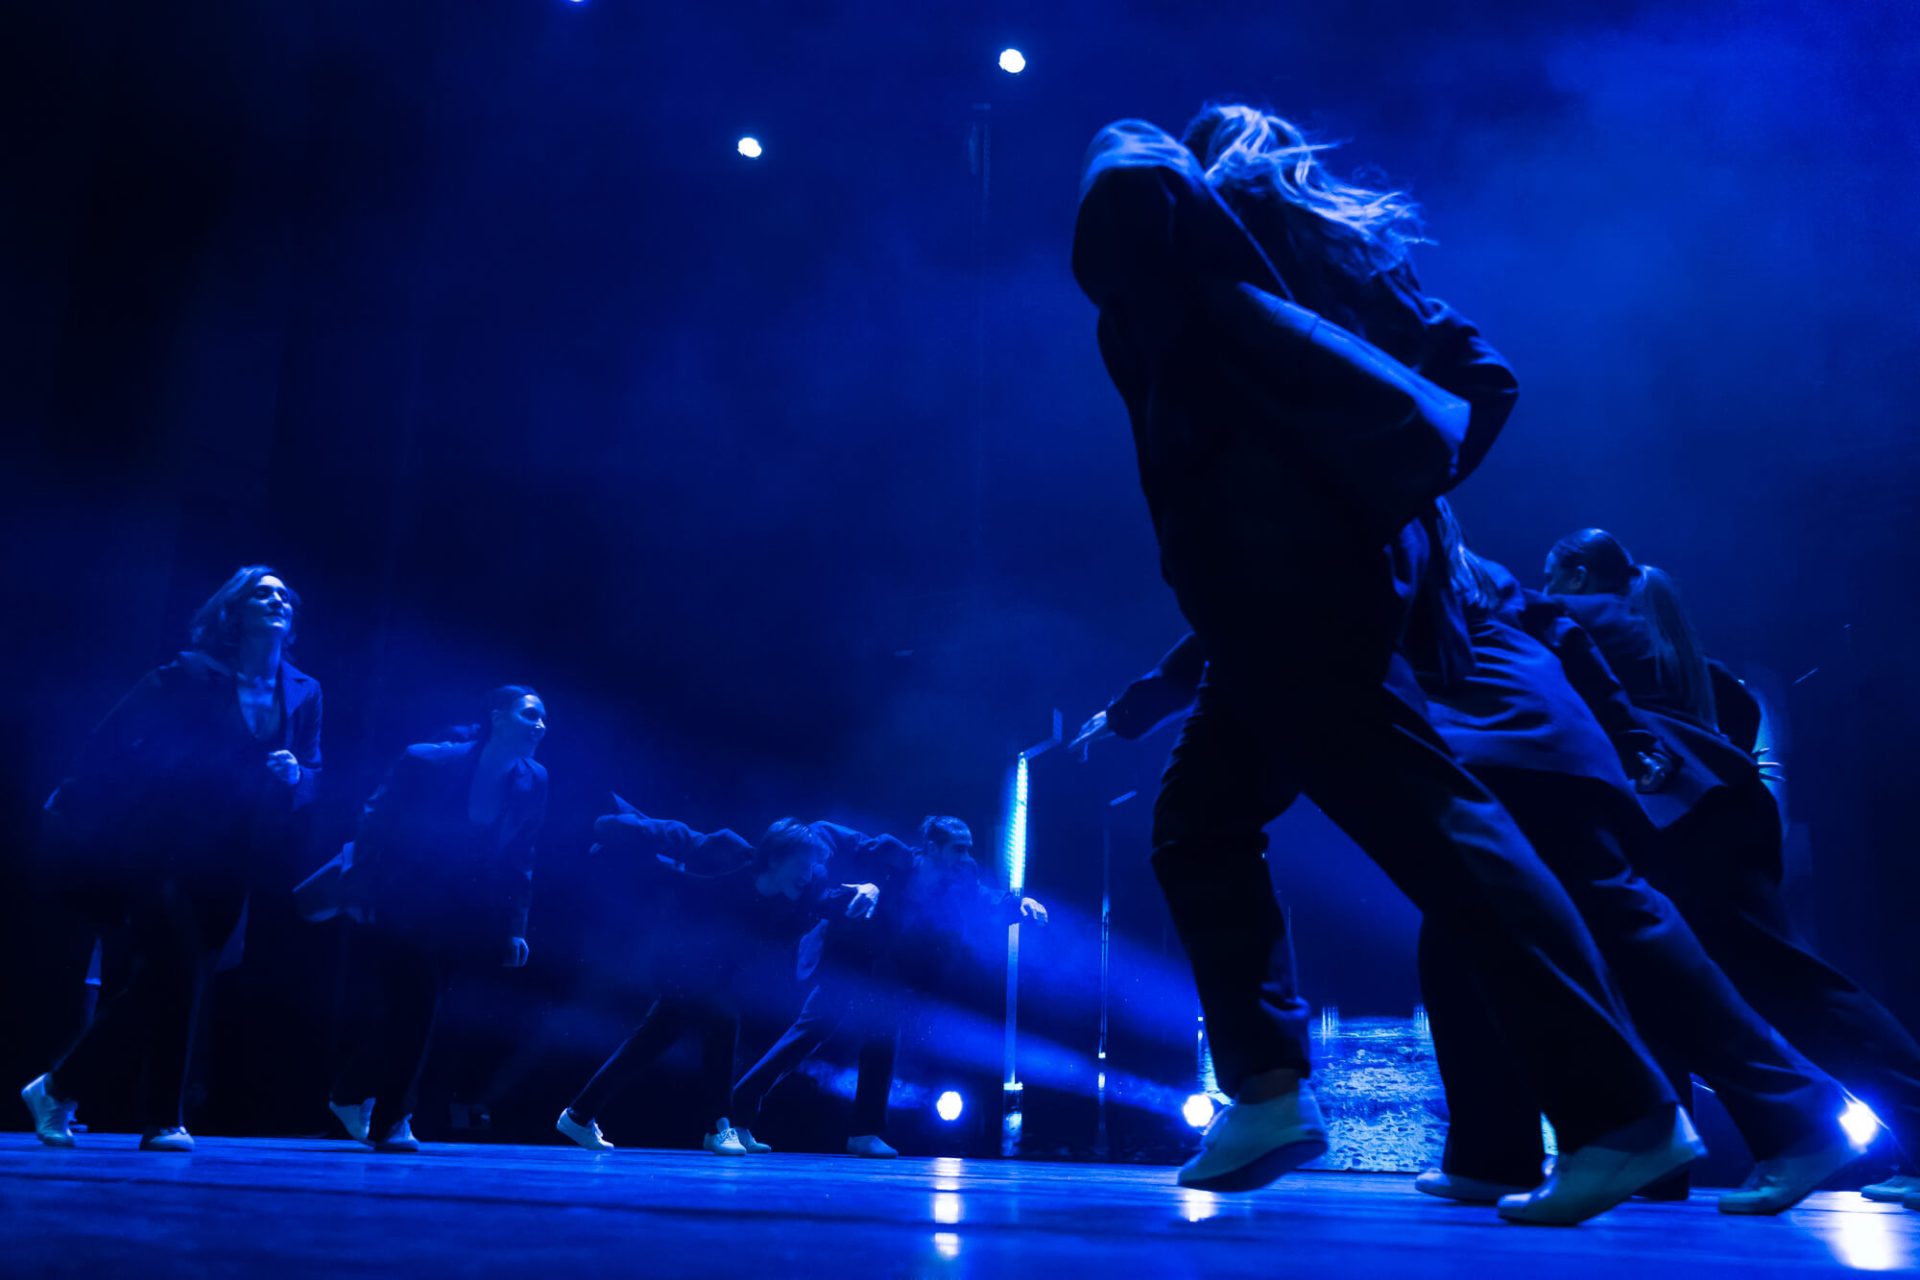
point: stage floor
(290, 1208)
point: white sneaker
(587, 1135)
(399, 1139)
(753, 1145)
(355, 1117)
(724, 1141)
(1605, 1172)
(1778, 1184)
(174, 1139)
(1453, 1186)
(1249, 1144)
(1893, 1190)
(52, 1119)
(870, 1146)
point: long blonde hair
(1246, 148)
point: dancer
(1297, 404)
(1720, 849)
(183, 800)
(1559, 760)
(930, 896)
(845, 957)
(1517, 722)
(736, 898)
(940, 902)
(440, 877)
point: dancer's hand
(865, 898)
(1656, 769)
(517, 953)
(1091, 732)
(285, 766)
(1031, 909)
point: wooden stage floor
(295, 1208)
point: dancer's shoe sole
(1262, 1170)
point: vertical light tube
(1015, 859)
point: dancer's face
(519, 728)
(1565, 579)
(268, 609)
(792, 873)
(959, 846)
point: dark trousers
(711, 1016)
(1377, 769)
(390, 993)
(1721, 864)
(1587, 832)
(146, 1027)
(827, 1007)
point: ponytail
(1472, 581)
(1677, 650)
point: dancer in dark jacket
(1297, 404)
(732, 900)
(1719, 855)
(929, 898)
(182, 804)
(440, 878)
(1542, 722)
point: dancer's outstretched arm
(675, 843)
(1151, 701)
(872, 863)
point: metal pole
(1102, 1142)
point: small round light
(948, 1106)
(750, 148)
(1012, 61)
(1198, 1111)
(1860, 1123)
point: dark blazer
(173, 782)
(917, 890)
(1706, 759)
(1539, 697)
(1161, 694)
(718, 920)
(1734, 705)
(1292, 422)
(422, 868)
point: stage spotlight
(1198, 1111)
(1860, 1123)
(948, 1106)
(1012, 61)
(750, 148)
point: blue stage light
(949, 1105)
(1198, 1111)
(1012, 61)
(750, 148)
(1860, 1123)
